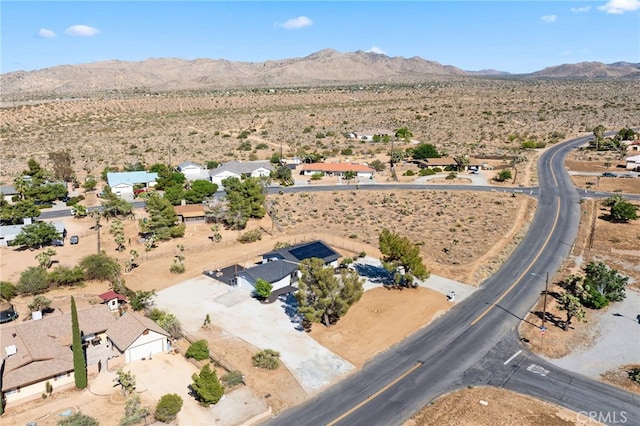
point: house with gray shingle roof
(39, 351)
(193, 171)
(137, 337)
(240, 169)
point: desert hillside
(324, 68)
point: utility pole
(544, 312)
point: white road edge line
(512, 357)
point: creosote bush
(267, 358)
(198, 350)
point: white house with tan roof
(39, 351)
(338, 169)
(137, 337)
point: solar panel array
(315, 249)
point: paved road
(471, 344)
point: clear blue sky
(513, 36)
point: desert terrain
(479, 118)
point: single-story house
(190, 213)
(369, 135)
(122, 183)
(338, 169)
(299, 252)
(39, 351)
(136, 337)
(279, 273)
(633, 163)
(7, 192)
(280, 267)
(113, 300)
(632, 146)
(432, 163)
(193, 171)
(8, 233)
(240, 169)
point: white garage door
(143, 351)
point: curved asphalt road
(476, 341)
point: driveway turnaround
(273, 326)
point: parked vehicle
(74, 239)
(608, 174)
(57, 243)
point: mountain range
(325, 67)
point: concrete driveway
(274, 326)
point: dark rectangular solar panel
(315, 249)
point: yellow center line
(375, 395)
(555, 222)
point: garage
(145, 350)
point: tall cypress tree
(79, 364)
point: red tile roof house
(338, 169)
(113, 300)
(39, 351)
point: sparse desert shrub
(233, 378)
(409, 173)
(267, 358)
(250, 236)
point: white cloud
(618, 7)
(549, 18)
(376, 49)
(582, 9)
(45, 33)
(81, 30)
(296, 23)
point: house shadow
(375, 274)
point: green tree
(206, 386)
(114, 206)
(245, 200)
(503, 175)
(79, 363)
(403, 133)
(78, 419)
(573, 308)
(263, 288)
(623, 211)
(200, 189)
(162, 218)
(267, 359)
(100, 267)
(602, 282)
(171, 324)
(283, 174)
(377, 165)
(65, 276)
(90, 184)
(39, 303)
(15, 214)
(142, 300)
(198, 350)
(7, 290)
(423, 151)
(36, 235)
(33, 280)
(134, 412)
(168, 408)
(126, 380)
(44, 258)
(79, 211)
(598, 136)
(324, 297)
(402, 258)
(349, 175)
